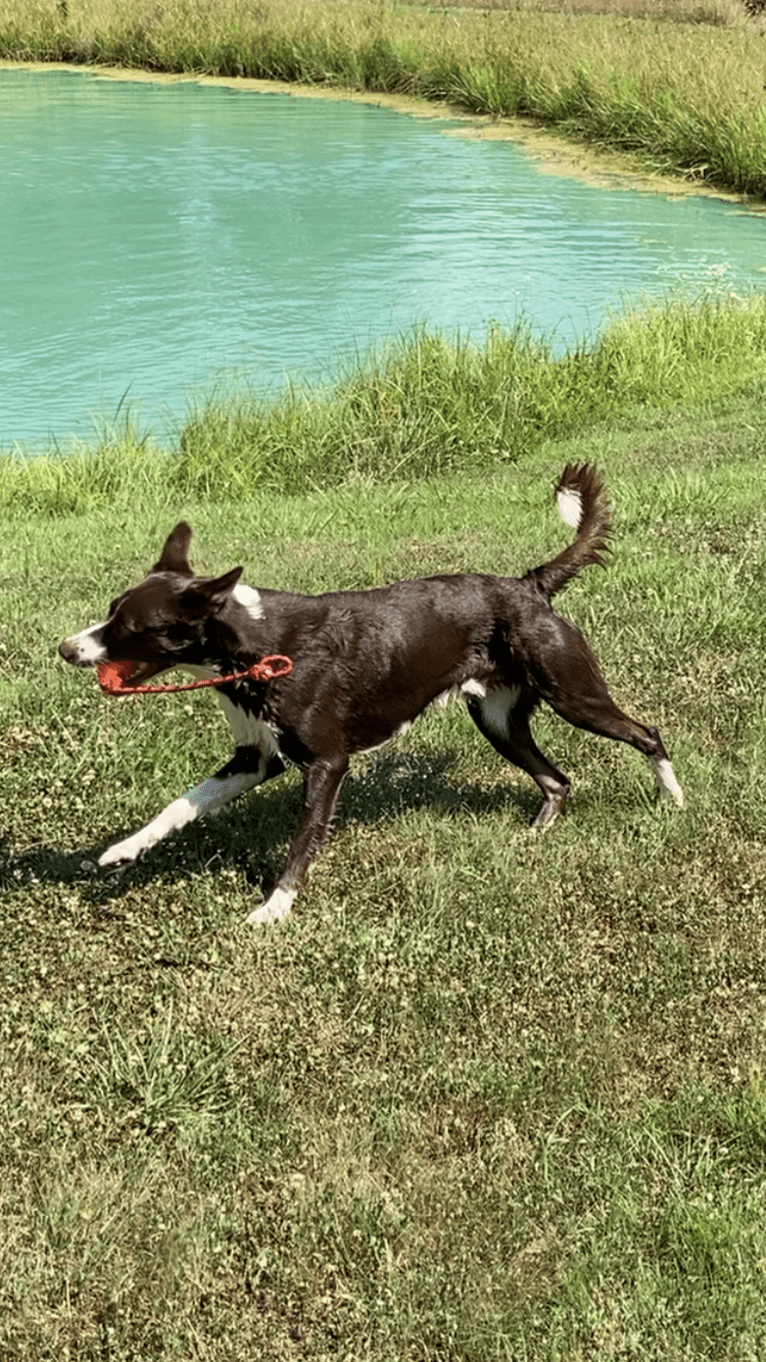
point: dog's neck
(235, 632)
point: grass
(726, 13)
(683, 93)
(422, 407)
(486, 1095)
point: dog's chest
(248, 727)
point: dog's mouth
(116, 678)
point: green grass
(685, 96)
(423, 407)
(486, 1095)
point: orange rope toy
(113, 676)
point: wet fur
(366, 663)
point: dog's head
(160, 623)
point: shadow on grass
(252, 835)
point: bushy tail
(582, 501)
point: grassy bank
(424, 407)
(686, 96)
(486, 1096)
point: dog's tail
(582, 501)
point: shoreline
(555, 153)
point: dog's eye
(118, 633)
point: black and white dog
(366, 663)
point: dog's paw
(669, 789)
(551, 808)
(122, 852)
(275, 909)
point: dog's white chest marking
(248, 729)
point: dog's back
(365, 665)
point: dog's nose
(67, 651)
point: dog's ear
(211, 595)
(174, 557)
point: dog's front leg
(322, 782)
(247, 768)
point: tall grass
(687, 97)
(424, 407)
(724, 12)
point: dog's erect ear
(174, 557)
(211, 595)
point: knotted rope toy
(114, 676)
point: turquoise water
(161, 240)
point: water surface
(160, 239)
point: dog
(366, 664)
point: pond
(162, 240)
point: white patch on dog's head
(569, 503)
(249, 599)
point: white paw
(122, 852)
(275, 909)
(670, 790)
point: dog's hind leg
(605, 718)
(247, 768)
(573, 686)
(505, 724)
(322, 784)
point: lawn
(487, 1094)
